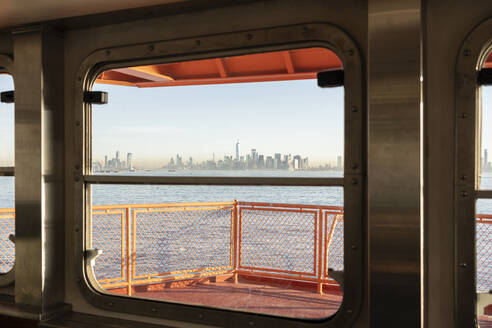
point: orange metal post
(128, 252)
(320, 251)
(235, 248)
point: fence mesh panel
(7, 247)
(484, 259)
(281, 240)
(168, 241)
(334, 253)
(108, 229)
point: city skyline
(253, 160)
(294, 117)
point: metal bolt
(464, 115)
(354, 166)
(151, 47)
(79, 78)
(77, 229)
(464, 194)
(200, 316)
(108, 52)
(249, 36)
(467, 52)
(154, 310)
(350, 52)
(354, 247)
(78, 279)
(463, 177)
(110, 304)
(251, 323)
(463, 264)
(349, 311)
(354, 181)
(77, 123)
(77, 167)
(198, 42)
(354, 109)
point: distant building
(339, 163)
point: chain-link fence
(144, 244)
(484, 250)
(7, 246)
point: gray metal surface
(184, 180)
(471, 57)
(394, 162)
(38, 187)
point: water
(145, 194)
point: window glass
(483, 258)
(486, 157)
(7, 212)
(268, 249)
(222, 246)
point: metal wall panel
(39, 168)
(394, 162)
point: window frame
(228, 44)
(473, 54)
(7, 66)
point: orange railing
(155, 243)
(160, 243)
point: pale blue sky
(6, 124)
(295, 117)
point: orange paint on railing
(323, 233)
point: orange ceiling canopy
(285, 65)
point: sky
(6, 124)
(487, 120)
(155, 124)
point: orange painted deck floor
(257, 297)
(251, 297)
(485, 321)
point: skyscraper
(339, 163)
(485, 159)
(129, 161)
(237, 151)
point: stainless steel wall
(409, 156)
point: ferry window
(483, 208)
(7, 206)
(219, 182)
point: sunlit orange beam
(115, 82)
(220, 66)
(288, 62)
(236, 79)
(144, 73)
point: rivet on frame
(350, 52)
(464, 115)
(467, 52)
(110, 304)
(151, 47)
(354, 109)
(108, 52)
(249, 36)
(77, 123)
(463, 264)
(354, 166)
(154, 310)
(251, 323)
(198, 42)
(354, 181)
(464, 194)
